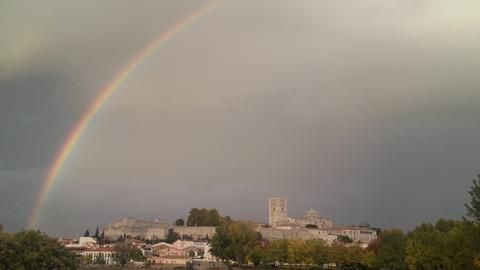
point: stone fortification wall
(196, 232)
(153, 230)
(277, 234)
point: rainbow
(104, 95)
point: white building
(106, 253)
(87, 242)
(357, 234)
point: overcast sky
(367, 111)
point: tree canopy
(204, 217)
(180, 222)
(233, 240)
(33, 250)
(473, 207)
(172, 236)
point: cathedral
(278, 216)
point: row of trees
(446, 245)
(237, 241)
(30, 249)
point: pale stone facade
(163, 253)
(357, 234)
(154, 230)
(278, 216)
(106, 253)
(195, 232)
(277, 211)
(86, 241)
(312, 217)
(284, 227)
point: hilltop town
(162, 243)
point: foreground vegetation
(446, 245)
(33, 250)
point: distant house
(67, 241)
(191, 249)
(163, 253)
(87, 242)
(106, 253)
(357, 234)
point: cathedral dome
(311, 212)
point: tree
(172, 236)
(102, 237)
(203, 217)
(278, 252)
(99, 260)
(345, 239)
(97, 234)
(311, 226)
(86, 234)
(180, 222)
(298, 253)
(318, 251)
(473, 207)
(125, 252)
(194, 217)
(256, 255)
(33, 250)
(234, 240)
(212, 218)
(447, 245)
(84, 260)
(8, 257)
(391, 250)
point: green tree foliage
(391, 250)
(345, 239)
(277, 252)
(203, 217)
(234, 240)
(126, 252)
(298, 253)
(180, 222)
(33, 250)
(473, 207)
(84, 260)
(256, 255)
(318, 251)
(435, 247)
(102, 238)
(346, 257)
(172, 236)
(99, 260)
(87, 233)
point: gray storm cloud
(365, 111)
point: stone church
(278, 216)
